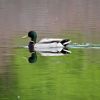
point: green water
(69, 77)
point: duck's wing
(46, 40)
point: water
(84, 46)
(74, 76)
(69, 77)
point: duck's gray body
(48, 43)
(49, 48)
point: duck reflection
(33, 57)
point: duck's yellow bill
(24, 36)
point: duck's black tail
(65, 42)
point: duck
(46, 43)
(46, 46)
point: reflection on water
(33, 57)
(71, 77)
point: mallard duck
(47, 42)
(47, 46)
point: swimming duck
(46, 46)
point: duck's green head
(32, 35)
(33, 58)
